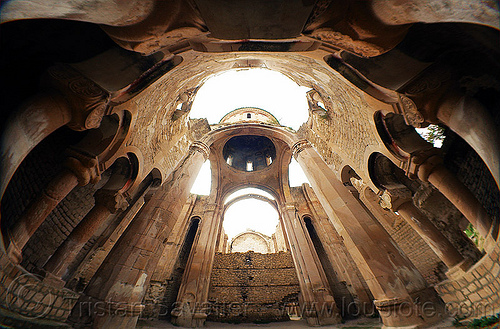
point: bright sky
(265, 89)
(204, 180)
(251, 214)
(262, 88)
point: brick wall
(475, 293)
(39, 167)
(252, 287)
(414, 247)
(462, 160)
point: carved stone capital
(13, 251)
(393, 199)
(84, 166)
(200, 147)
(299, 147)
(421, 164)
(88, 101)
(112, 200)
(410, 112)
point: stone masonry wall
(40, 166)
(417, 250)
(252, 287)
(477, 292)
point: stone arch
(251, 240)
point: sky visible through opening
(262, 88)
(270, 91)
(250, 214)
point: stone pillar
(174, 243)
(403, 204)
(120, 283)
(78, 172)
(430, 168)
(399, 290)
(192, 299)
(318, 305)
(337, 254)
(75, 101)
(107, 203)
(471, 121)
(94, 258)
(34, 121)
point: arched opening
(343, 298)
(250, 214)
(256, 87)
(387, 176)
(251, 241)
(175, 280)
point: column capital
(111, 200)
(88, 100)
(200, 147)
(213, 207)
(84, 166)
(300, 146)
(410, 111)
(393, 199)
(422, 163)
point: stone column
(75, 101)
(430, 168)
(77, 172)
(120, 283)
(318, 305)
(403, 204)
(94, 258)
(174, 243)
(399, 290)
(107, 203)
(192, 299)
(336, 252)
(160, 279)
(34, 121)
(471, 121)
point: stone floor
(297, 324)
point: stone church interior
(99, 152)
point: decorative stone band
(200, 147)
(300, 146)
(289, 206)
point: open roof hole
(261, 88)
